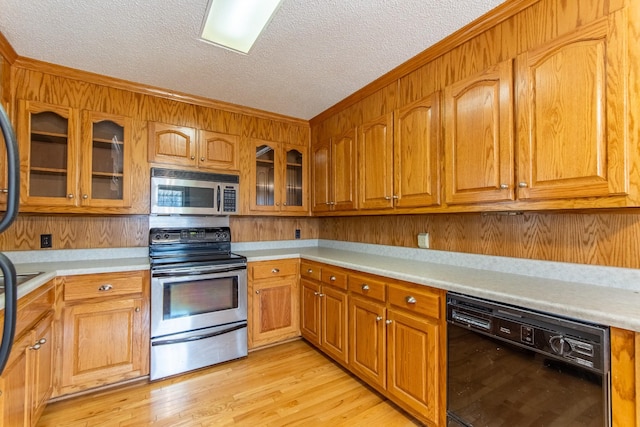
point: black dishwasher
(509, 366)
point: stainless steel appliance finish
(175, 192)
(198, 299)
(509, 366)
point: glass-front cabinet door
(278, 179)
(105, 160)
(47, 136)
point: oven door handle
(200, 337)
(180, 272)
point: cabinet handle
(365, 287)
(105, 288)
(320, 295)
(275, 270)
(258, 291)
(4, 190)
(395, 197)
(284, 204)
(38, 344)
(387, 197)
(504, 186)
(85, 196)
(277, 203)
(309, 271)
(202, 159)
(193, 157)
(332, 278)
(137, 310)
(388, 322)
(522, 184)
(410, 300)
(69, 196)
(378, 318)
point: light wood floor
(291, 384)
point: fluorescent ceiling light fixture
(236, 24)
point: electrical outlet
(45, 241)
(423, 240)
(297, 233)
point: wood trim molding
(489, 20)
(98, 79)
(7, 50)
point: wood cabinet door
(49, 164)
(310, 311)
(42, 352)
(375, 163)
(413, 363)
(572, 119)
(367, 340)
(334, 315)
(417, 153)
(171, 144)
(266, 176)
(105, 160)
(274, 311)
(321, 177)
(102, 343)
(218, 151)
(295, 182)
(343, 171)
(479, 140)
(15, 382)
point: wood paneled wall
(598, 238)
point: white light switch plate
(423, 240)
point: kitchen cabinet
(324, 310)
(105, 329)
(27, 381)
(479, 137)
(189, 147)
(399, 157)
(273, 302)
(73, 159)
(279, 177)
(572, 120)
(334, 173)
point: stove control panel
(189, 235)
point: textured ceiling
(313, 54)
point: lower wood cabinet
(27, 381)
(395, 335)
(105, 330)
(273, 302)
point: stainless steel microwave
(176, 192)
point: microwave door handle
(13, 171)
(218, 200)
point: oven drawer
(279, 268)
(417, 300)
(103, 285)
(310, 270)
(367, 286)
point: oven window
(188, 197)
(191, 298)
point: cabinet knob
(258, 292)
(277, 203)
(365, 287)
(320, 295)
(504, 186)
(522, 184)
(85, 196)
(69, 196)
(4, 190)
(35, 347)
(387, 197)
(105, 288)
(316, 293)
(395, 197)
(378, 318)
(388, 322)
(410, 300)
(202, 159)
(193, 157)
(309, 271)
(275, 270)
(137, 310)
(332, 278)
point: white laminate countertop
(614, 303)
(606, 295)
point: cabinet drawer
(416, 300)
(310, 270)
(103, 285)
(367, 286)
(334, 277)
(267, 269)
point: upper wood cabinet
(375, 163)
(334, 173)
(279, 177)
(186, 146)
(479, 137)
(72, 158)
(572, 121)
